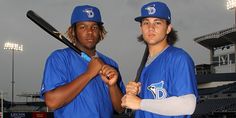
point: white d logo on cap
(89, 12)
(151, 9)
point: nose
(89, 30)
(151, 27)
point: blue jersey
(94, 101)
(171, 73)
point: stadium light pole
(1, 92)
(231, 5)
(2, 103)
(13, 47)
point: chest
(156, 79)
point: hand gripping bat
(130, 112)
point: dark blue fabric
(155, 9)
(94, 101)
(86, 13)
(172, 73)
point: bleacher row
(217, 102)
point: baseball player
(77, 86)
(167, 87)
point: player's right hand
(94, 66)
(133, 88)
(131, 102)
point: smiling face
(88, 35)
(155, 30)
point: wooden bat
(51, 30)
(142, 64)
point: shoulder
(60, 54)
(176, 50)
(178, 54)
(107, 59)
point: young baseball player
(78, 86)
(167, 87)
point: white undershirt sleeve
(172, 106)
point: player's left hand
(109, 75)
(133, 88)
(131, 102)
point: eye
(81, 27)
(145, 23)
(95, 27)
(157, 22)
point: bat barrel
(51, 30)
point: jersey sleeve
(184, 79)
(54, 73)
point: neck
(91, 53)
(88, 51)
(155, 49)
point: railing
(216, 67)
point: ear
(169, 28)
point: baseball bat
(130, 112)
(56, 34)
(142, 64)
(51, 30)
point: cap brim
(84, 20)
(139, 19)
(93, 21)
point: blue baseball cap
(155, 9)
(86, 13)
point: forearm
(116, 95)
(172, 106)
(64, 94)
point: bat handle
(129, 112)
(85, 56)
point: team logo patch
(151, 9)
(157, 90)
(89, 12)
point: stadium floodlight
(13, 47)
(231, 4)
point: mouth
(151, 35)
(90, 40)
